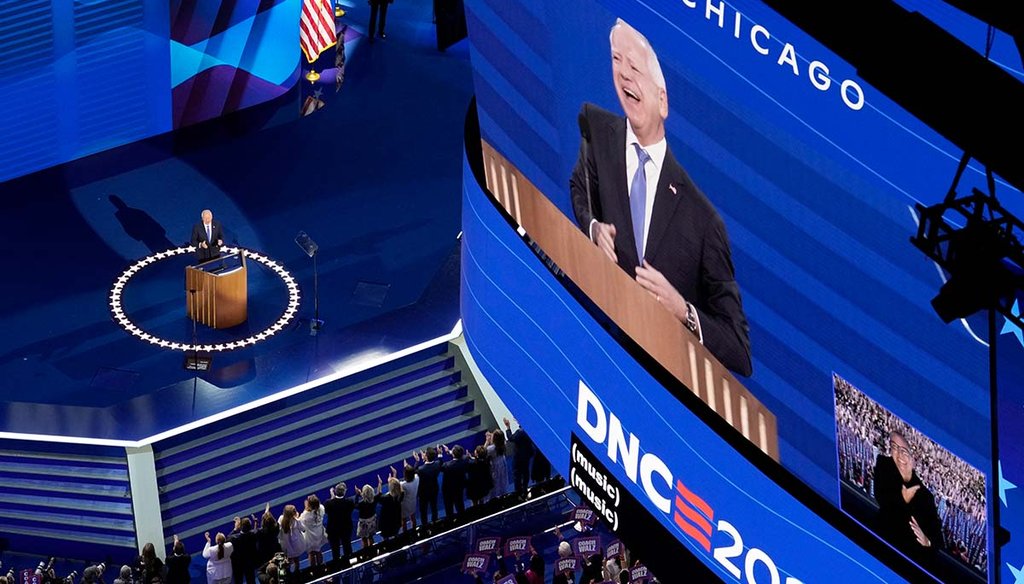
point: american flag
(316, 28)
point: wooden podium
(220, 297)
(632, 309)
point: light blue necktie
(638, 200)
(209, 236)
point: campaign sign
(475, 563)
(510, 579)
(614, 549)
(517, 546)
(583, 514)
(639, 574)
(488, 545)
(567, 564)
(587, 546)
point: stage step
(345, 432)
(60, 500)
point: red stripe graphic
(316, 25)
(693, 516)
(692, 532)
(695, 500)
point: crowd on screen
(862, 430)
(265, 549)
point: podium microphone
(584, 124)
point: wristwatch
(691, 318)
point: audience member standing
(218, 560)
(178, 563)
(565, 576)
(499, 466)
(339, 521)
(312, 520)
(245, 555)
(150, 566)
(410, 490)
(453, 482)
(292, 538)
(390, 507)
(267, 542)
(478, 476)
(520, 458)
(429, 468)
(367, 507)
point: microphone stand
(195, 355)
(316, 324)
(584, 125)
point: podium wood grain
(221, 300)
(631, 307)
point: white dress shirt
(652, 171)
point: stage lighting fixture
(981, 251)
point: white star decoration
(117, 311)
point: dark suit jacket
(686, 239)
(453, 480)
(244, 556)
(428, 472)
(339, 516)
(177, 569)
(199, 236)
(522, 447)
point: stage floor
(374, 178)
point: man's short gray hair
(652, 59)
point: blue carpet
(373, 177)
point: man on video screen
(646, 214)
(907, 517)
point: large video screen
(910, 491)
(88, 76)
(774, 210)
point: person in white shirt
(411, 488)
(312, 520)
(635, 201)
(218, 560)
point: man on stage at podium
(647, 215)
(208, 237)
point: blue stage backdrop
(1010, 482)
(84, 76)
(815, 173)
